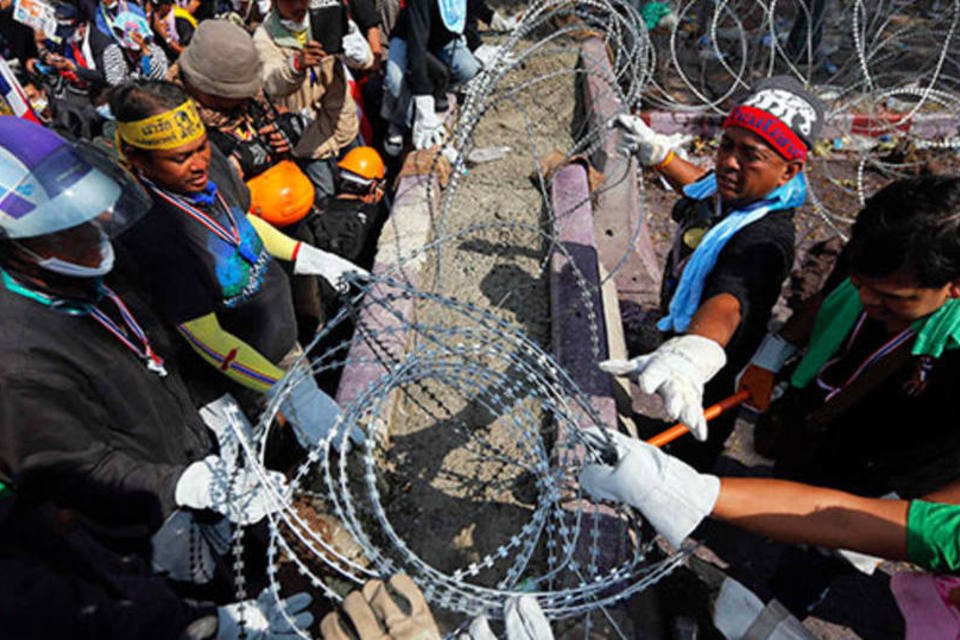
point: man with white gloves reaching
(675, 499)
(733, 249)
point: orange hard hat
(364, 162)
(282, 194)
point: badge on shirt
(693, 236)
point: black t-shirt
(190, 272)
(751, 267)
(900, 436)
(345, 227)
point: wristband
(670, 158)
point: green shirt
(933, 536)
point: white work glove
(232, 492)
(311, 261)
(523, 619)
(264, 617)
(650, 147)
(428, 130)
(356, 49)
(491, 54)
(758, 377)
(312, 412)
(377, 613)
(670, 494)
(499, 22)
(677, 372)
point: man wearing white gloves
(94, 418)
(733, 249)
(211, 268)
(675, 498)
(434, 26)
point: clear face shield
(63, 212)
(74, 184)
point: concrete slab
(407, 229)
(622, 237)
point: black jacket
(85, 425)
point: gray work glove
(428, 130)
(234, 492)
(759, 376)
(376, 615)
(264, 617)
(312, 412)
(677, 372)
(650, 147)
(670, 494)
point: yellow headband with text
(167, 130)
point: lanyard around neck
(229, 235)
(884, 349)
(144, 350)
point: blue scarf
(206, 197)
(686, 298)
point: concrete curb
(408, 228)
(570, 194)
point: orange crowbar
(709, 413)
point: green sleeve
(933, 536)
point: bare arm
(802, 514)
(679, 173)
(717, 319)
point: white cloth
(650, 147)
(264, 617)
(677, 372)
(740, 615)
(427, 128)
(499, 22)
(491, 55)
(356, 49)
(669, 493)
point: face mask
(64, 268)
(295, 26)
(104, 111)
(39, 104)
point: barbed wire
(473, 376)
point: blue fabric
(207, 196)
(686, 299)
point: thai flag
(13, 101)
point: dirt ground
(459, 471)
